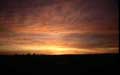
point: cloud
(70, 23)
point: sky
(56, 27)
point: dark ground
(104, 63)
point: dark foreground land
(107, 63)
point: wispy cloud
(72, 24)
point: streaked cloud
(76, 25)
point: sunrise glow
(56, 27)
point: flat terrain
(81, 63)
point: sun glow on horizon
(59, 27)
(61, 50)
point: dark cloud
(73, 23)
(92, 41)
